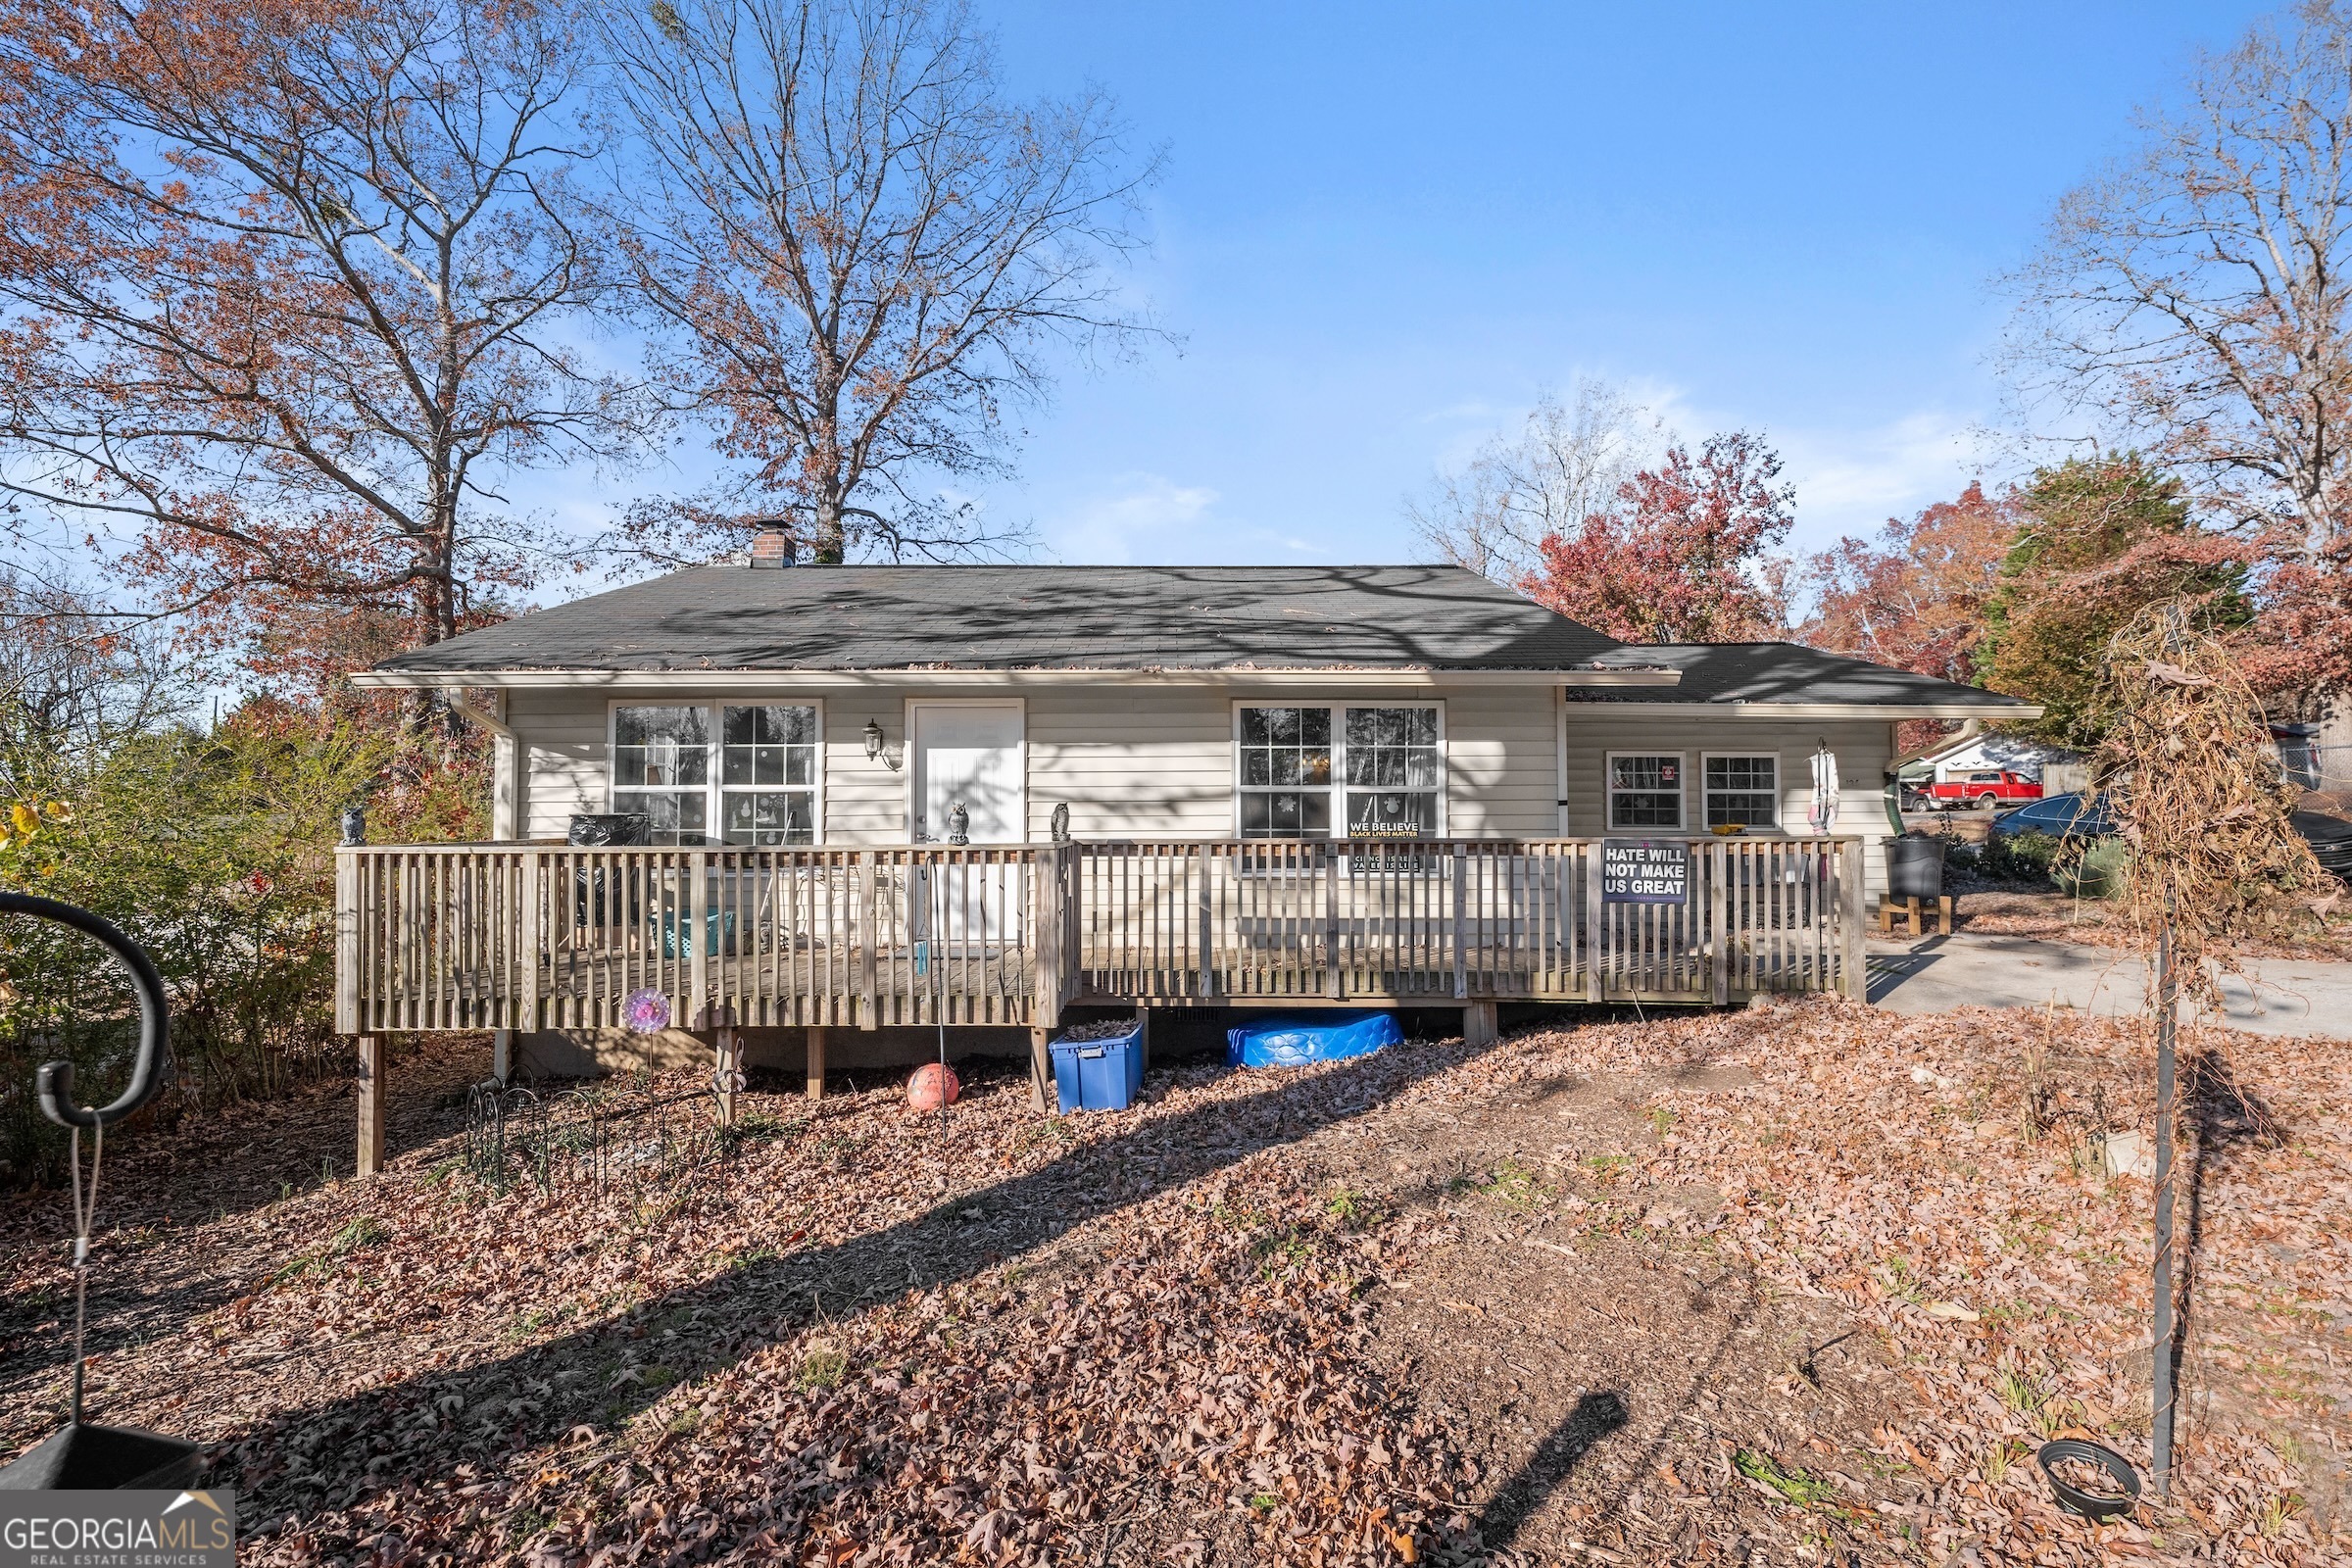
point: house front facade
(863, 705)
(900, 801)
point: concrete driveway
(1936, 974)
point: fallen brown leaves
(1150, 1335)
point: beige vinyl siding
(1861, 747)
(1500, 763)
(1131, 762)
(1136, 761)
(561, 735)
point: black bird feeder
(80, 1456)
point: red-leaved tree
(1686, 556)
(1915, 596)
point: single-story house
(1139, 765)
(855, 704)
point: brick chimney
(773, 546)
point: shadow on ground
(723, 1320)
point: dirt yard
(1801, 1284)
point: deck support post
(1480, 1025)
(502, 1054)
(728, 1071)
(1041, 1070)
(372, 1106)
(817, 1061)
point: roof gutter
(1881, 711)
(733, 680)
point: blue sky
(1386, 229)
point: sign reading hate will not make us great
(1638, 871)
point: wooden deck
(462, 936)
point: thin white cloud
(1850, 481)
(1142, 516)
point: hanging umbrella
(80, 1456)
(1824, 814)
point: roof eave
(765, 679)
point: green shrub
(2019, 856)
(215, 852)
(2097, 871)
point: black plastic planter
(2099, 1507)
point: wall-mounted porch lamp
(876, 751)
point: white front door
(969, 753)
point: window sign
(1340, 773)
(1645, 791)
(1642, 871)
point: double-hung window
(1743, 791)
(1323, 772)
(1645, 790)
(739, 773)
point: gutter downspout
(1894, 784)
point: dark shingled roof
(840, 618)
(1788, 672)
(732, 617)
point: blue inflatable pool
(1317, 1037)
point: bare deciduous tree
(2192, 299)
(287, 288)
(1568, 463)
(861, 253)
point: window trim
(1338, 707)
(714, 788)
(1681, 789)
(1780, 793)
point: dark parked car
(2071, 815)
(2330, 838)
(2085, 818)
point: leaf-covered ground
(2002, 910)
(1798, 1284)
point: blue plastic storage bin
(1316, 1037)
(1100, 1074)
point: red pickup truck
(1987, 787)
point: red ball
(932, 1087)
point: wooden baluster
(867, 936)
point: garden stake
(2168, 1007)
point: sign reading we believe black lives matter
(1638, 872)
(133, 1528)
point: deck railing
(446, 937)
(1461, 920)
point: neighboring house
(2058, 769)
(1242, 758)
